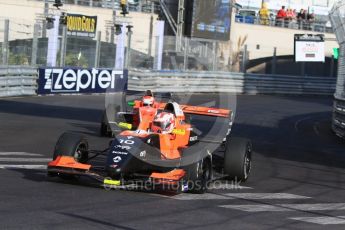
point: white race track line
(266, 196)
(246, 196)
(227, 186)
(287, 207)
(8, 159)
(20, 154)
(23, 166)
(22, 157)
(323, 220)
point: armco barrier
(338, 123)
(230, 82)
(23, 81)
(18, 81)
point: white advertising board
(309, 48)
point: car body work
(140, 154)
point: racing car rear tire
(200, 175)
(237, 158)
(105, 129)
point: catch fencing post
(128, 53)
(63, 46)
(185, 60)
(332, 67)
(150, 36)
(274, 61)
(35, 45)
(244, 59)
(5, 46)
(98, 49)
(152, 7)
(302, 68)
(44, 26)
(214, 61)
(140, 6)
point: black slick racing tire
(199, 176)
(238, 158)
(73, 145)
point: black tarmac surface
(297, 181)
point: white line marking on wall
(324, 220)
(231, 196)
(19, 154)
(8, 159)
(287, 207)
(23, 166)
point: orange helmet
(163, 123)
(148, 101)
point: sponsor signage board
(309, 48)
(77, 80)
(81, 25)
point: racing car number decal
(128, 142)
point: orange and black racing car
(161, 145)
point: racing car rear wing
(205, 111)
(189, 109)
(199, 110)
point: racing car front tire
(70, 144)
(200, 175)
(74, 145)
(237, 158)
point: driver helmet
(148, 101)
(163, 123)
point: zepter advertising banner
(77, 81)
(81, 25)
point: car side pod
(67, 162)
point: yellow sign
(81, 25)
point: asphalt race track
(297, 181)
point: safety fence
(23, 81)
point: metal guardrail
(18, 81)
(15, 81)
(206, 82)
(338, 123)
